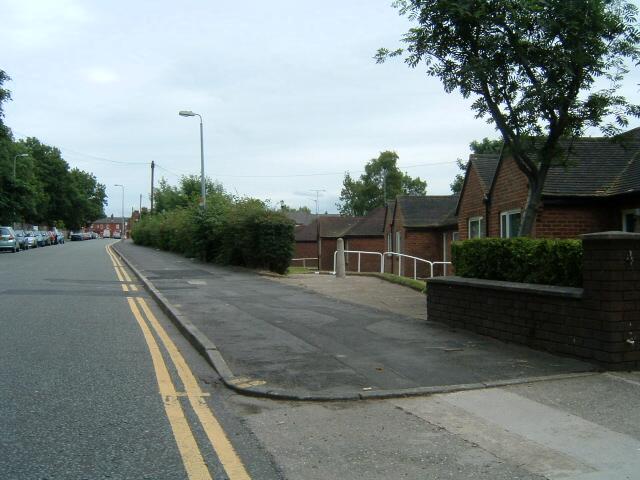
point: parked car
(46, 239)
(32, 238)
(22, 239)
(117, 235)
(8, 240)
(76, 236)
(94, 235)
(106, 233)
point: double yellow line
(187, 446)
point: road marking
(124, 288)
(187, 446)
(227, 455)
(134, 288)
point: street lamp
(203, 192)
(14, 164)
(124, 235)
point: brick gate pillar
(611, 273)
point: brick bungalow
(598, 191)
(366, 235)
(319, 238)
(424, 227)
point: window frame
(480, 220)
(507, 214)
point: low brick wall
(599, 322)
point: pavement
(272, 339)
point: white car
(117, 235)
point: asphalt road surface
(96, 383)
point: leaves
(530, 66)
(381, 181)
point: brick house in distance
(598, 191)
(423, 227)
(113, 224)
(366, 235)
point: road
(95, 382)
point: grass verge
(295, 270)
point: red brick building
(598, 191)
(113, 224)
(423, 227)
(366, 235)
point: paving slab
(292, 341)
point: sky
(289, 92)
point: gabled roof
(371, 225)
(597, 167)
(301, 218)
(427, 211)
(486, 165)
(306, 233)
(336, 226)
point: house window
(455, 237)
(509, 223)
(389, 242)
(398, 238)
(629, 219)
(476, 227)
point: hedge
(241, 232)
(527, 260)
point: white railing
(415, 263)
(304, 261)
(360, 253)
(401, 257)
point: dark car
(76, 236)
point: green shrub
(242, 232)
(543, 261)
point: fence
(400, 255)
(304, 261)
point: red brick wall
(368, 263)
(305, 250)
(327, 247)
(570, 222)
(471, 203)
(553, 221)
(509, 193)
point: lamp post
(203, 192)
(124, 235)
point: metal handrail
(359, 252)
(418, 259)
(304, 261)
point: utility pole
(153, 166)
(140, 210)
(317, 198)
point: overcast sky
(290, 95)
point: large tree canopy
(531, 67)
(168, 197)
(381, 181)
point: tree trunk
(536, 185)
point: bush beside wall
(527, 260)
(242, 232)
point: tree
(381, 181)
(531, 67)
(187, 193)
(485, 145)
(283, 207)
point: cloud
(101, 75)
